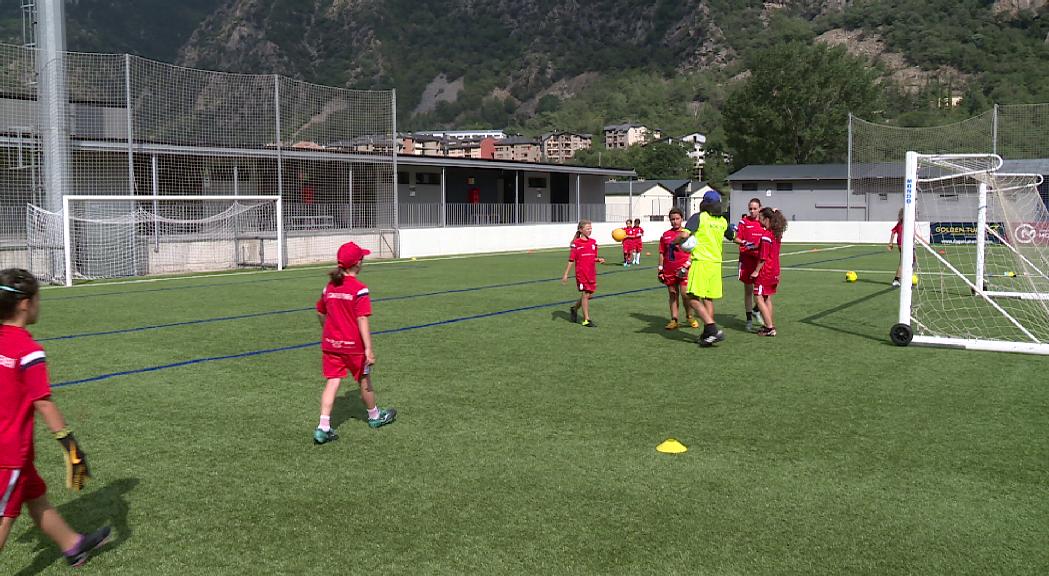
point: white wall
(450, 241)
(845, 232)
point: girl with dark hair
(766, 276)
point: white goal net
(979, 240)
(95, 237)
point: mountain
(542, 64)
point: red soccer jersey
(673, 256)
(342, 305)
(23, 380)
(898, 231)
(769, 253)
(749, 230)
(583, 251)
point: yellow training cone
(671, 446)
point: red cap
(350, 254)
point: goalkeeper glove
(77, 472)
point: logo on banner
(962, 232)
(910, 191)
(1032, 233)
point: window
(536, 182)
(750, 186)
(402, 177)
(784, 186)
(431, 178)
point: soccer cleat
(766, 331)
(323, 437)
(711, 339)
(750, 325)
(672, 325)
(693, 322)
(386, 416)
(589, 324)
(88, 543)
(573, 314)
(895, 282)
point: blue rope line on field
(304, 309)
(311, 344)
(396, 330)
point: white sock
(325, 424)
(373, 413)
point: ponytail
(337, 276)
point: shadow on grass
(348, 405)
(814, 320)
(90, 511)
(655, 325)
(561, 315)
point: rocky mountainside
(514, 63)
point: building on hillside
(464, 134)
(561, 146)
(618, 136)
(696, 144)
(423, 145)
(517, 149)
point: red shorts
(671, 278)
(746, 268)
(337, 365)
(586, 285)
(764, 289)
(18, 487)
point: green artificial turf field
(526, 444)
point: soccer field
(526, 444)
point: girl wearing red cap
(346, 342)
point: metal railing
(429, 215)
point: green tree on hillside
(794, 107)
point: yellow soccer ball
(851, 276)
(914, 280)
(619, 234)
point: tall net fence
(102, 124)
(1017, 133)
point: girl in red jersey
(673, 269)
(24, 392)
(638, 242)
(583, 253)
(896, 237)
(628, 228)
(748, 236)
(766, 275)
(346, 342)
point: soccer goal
(978, 246)
(95, 237)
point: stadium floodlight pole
(630, 198)
(910, 182)
(153, 172)
(280, 172)
(444, 197)
(130, 127)
(994, 129)
(848, 175)
(67, 245)
(578, 200)
(981, 234)
(396, 196)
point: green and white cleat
(322, 437)
(386, 416)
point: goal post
(976, 243)
(114, 236)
